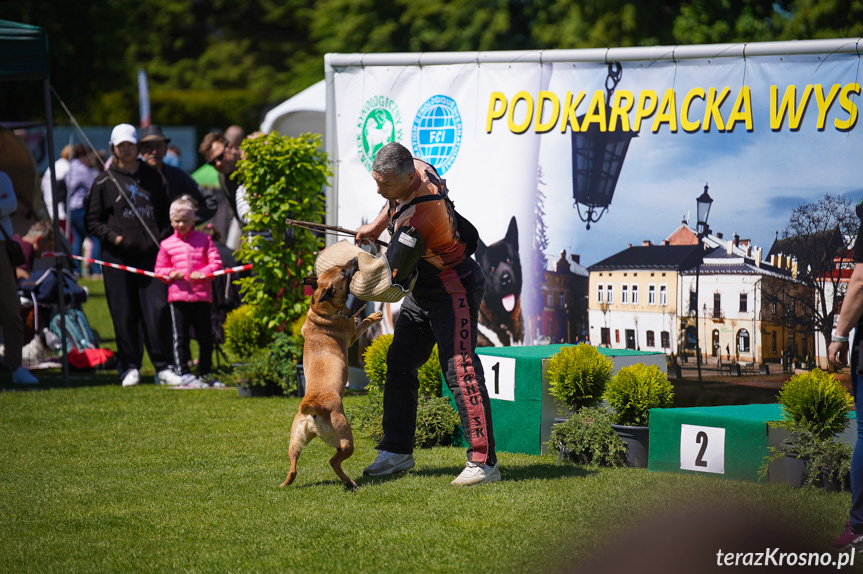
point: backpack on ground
(79, 335)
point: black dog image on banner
(500, 320)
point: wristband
(838, 339)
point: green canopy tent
(24, 57)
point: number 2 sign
(702, 449)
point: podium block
(726, 441)
(523, 410)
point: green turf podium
(726, 441)
(522, 409)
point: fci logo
(380, 123)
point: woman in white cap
(127, 209)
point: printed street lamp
(597, 158)
(703, 203)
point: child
(185, 257)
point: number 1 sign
(702, 449)
(499, 377)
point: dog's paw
(376, 317)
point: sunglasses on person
(221, 156)
(149, 147)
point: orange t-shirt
(434, 220)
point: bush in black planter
(286, 353)
(815, 411)
(587, 438)
(631, 394)
(577, 376)
(437, 421)
(244, 334)
(260, 376)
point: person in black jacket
(153, 146)
(127, 210)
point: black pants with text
(443, 311)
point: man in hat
(153, 145)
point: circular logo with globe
(436, 133)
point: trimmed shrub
(587, 438)
(577, 376)
(375, 358)
(244, 334)
(818, 401)
(635, 390)
(437, 420)
(284, 178)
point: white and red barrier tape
(131, 269)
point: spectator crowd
(132, 206)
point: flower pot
(562, 453)
(637, 441)
(301, 381)
(268, 390)
(795, 469)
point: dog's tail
(318, 404)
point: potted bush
(815, 410)
(437, 421)
(286, 353)
(259, 376)
(246, 344)
(587, 438)
(244, 334)
(577, 376)
(632, 392)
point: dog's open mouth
(508, 302)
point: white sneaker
(475, 473)
(132, 378)
(388, 463)
(22, 376)
(190, 381)
(168, 377)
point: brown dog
(328, 332)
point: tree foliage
(284, 178)
(268, 50)
(818, 235)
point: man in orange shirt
(442, 308)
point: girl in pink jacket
(185, 258)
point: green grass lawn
(97, 478)
(149, 479)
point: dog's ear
(312, 281)
(512, 233)
(327, 295)
(480, 248)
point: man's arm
(852, 310)
(375, 228)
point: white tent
(305, 112)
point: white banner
(765, 132)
